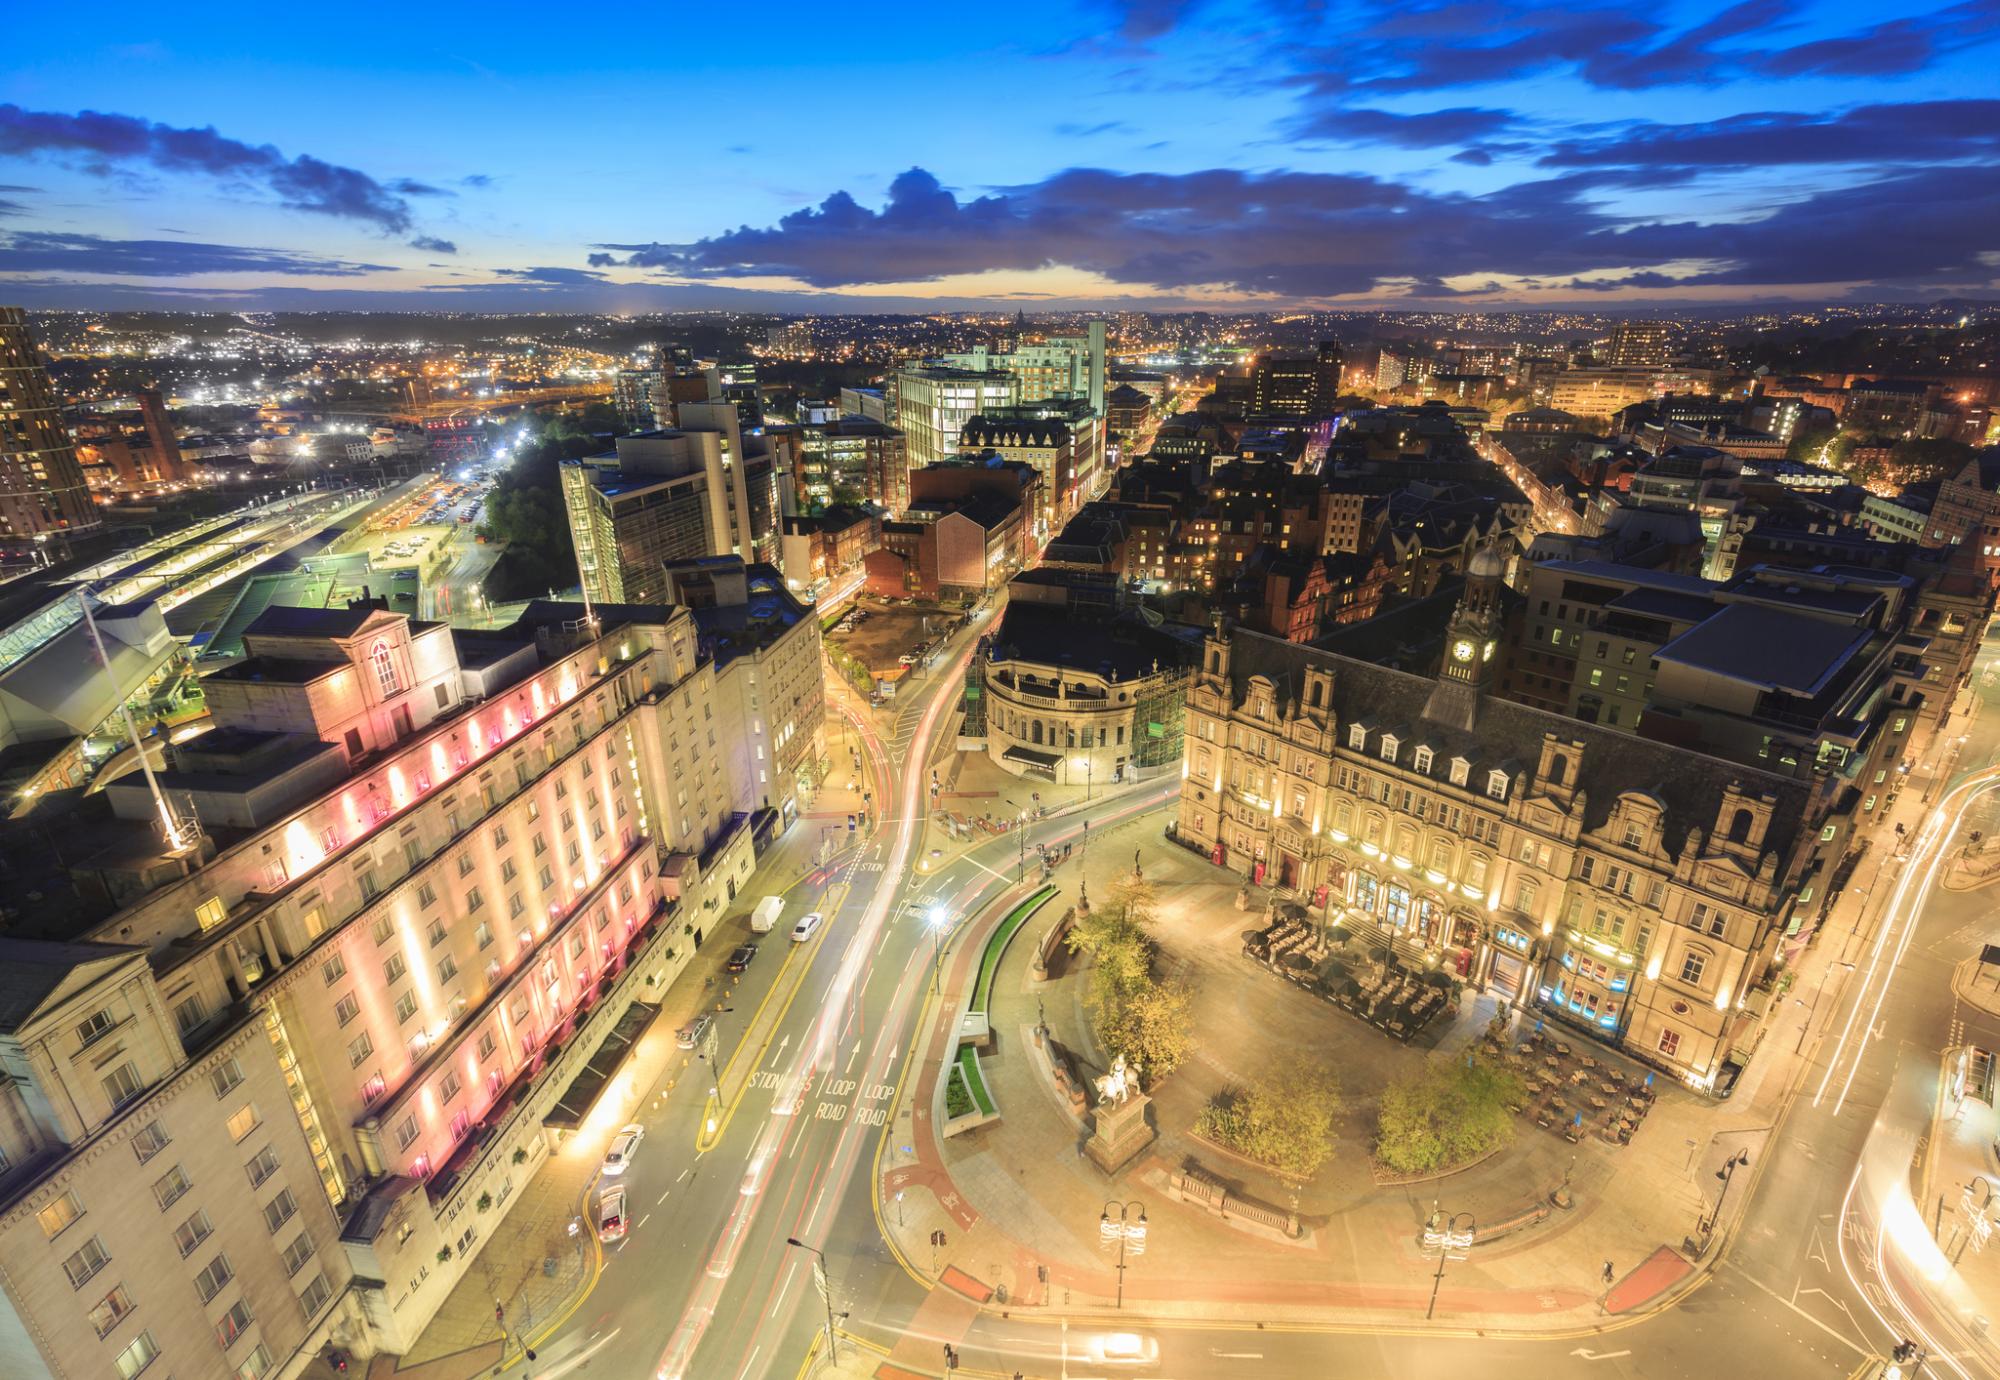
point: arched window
(1558, 769)
(385, 669)
(1739, 827)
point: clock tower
(1472, 640)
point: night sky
(888, 156)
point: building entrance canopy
(1044, 762)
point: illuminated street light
(1128, 1233)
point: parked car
(739, 957)
(807, 926)
(624, 1145)
(690, 1034)
(611, 1216)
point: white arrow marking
(1587, 1354)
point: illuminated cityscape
(1339, 720)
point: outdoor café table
(1552, 1061)
(1599, 1103)
(1562, 1049)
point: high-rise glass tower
(42, 493)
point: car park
(624, 1145)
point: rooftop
(1769, 648)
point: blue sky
(899, 155)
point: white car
(808, 923)
(1121, 1349)
(624, 1146)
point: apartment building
(769, 677)
(391, 965)
(1634, 891)
(700, 488)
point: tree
(1285, 1120)
(1446, 1113)
(1809, 441)
(1133, 1013)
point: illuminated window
(385, 669)
(210, 913)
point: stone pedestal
(1119, 1131)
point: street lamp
(1450, 1240)
(1127, 1232)
(825, 1291)
(1083, 761)
(939, 920)
(1021, 836)
(1727, 1173)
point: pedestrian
(1607, 1272)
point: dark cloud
(1071, 130)
(1308, 235)
(1447, 44)
(49, 252)
(101, 144)
(12, 208)
(409, 186)
(1140, 20)
(544, 278)
(1907, 134)
(476, 180)
(435, 245)
(1457, 125)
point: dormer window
(1357, 736)
(1422, 760)
(1461, 771)
(1496, 784)
(1389, 746)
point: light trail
(819, 1047)
(1906, 904)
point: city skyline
(1151, 157)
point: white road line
(976, 863)
(661, 1199)
(684, 1174)
(1845, 1341)
(642, 1221)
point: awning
(588, 1086)
(1028, 757)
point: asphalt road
(1820, 1274)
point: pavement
(1821, 1262)
(1018, 1206)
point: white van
(765, 918)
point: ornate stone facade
(1633, 889)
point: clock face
(1462, 650)
(1488, 656)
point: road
(1819, 1276)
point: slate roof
(1508, 736)
(283, 620)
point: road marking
(1587, 1354)
(661, 1199)
(684, 1174)
(976, 863)
(1845, 1341)
(642, 1221)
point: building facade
(43, 495)
(389, 971)
(699, 489)
(934, 403)
(1635, 891)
